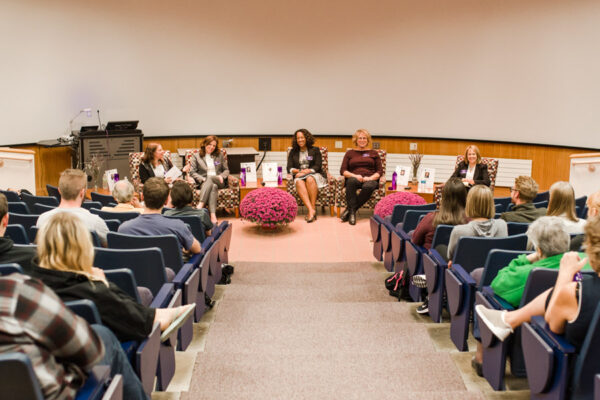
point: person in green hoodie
(551, 241)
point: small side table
(250, 186)
(426, 194)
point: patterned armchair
(228, 197)
(492, 165)
(135, 159)
(326, 195)
(340, 191)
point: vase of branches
(415, 160)
(92, 169)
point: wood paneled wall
(549, 163)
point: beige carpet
(319, 331)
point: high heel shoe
(314, 218)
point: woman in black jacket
(305, 164)
(471, 170)
(154, 164)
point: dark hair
(206, 142)
(156, 192)
(181, 194)
(452, 205)
(310, 139)
(3, 205)
(149, 152)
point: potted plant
(415, 160)
(269, 207)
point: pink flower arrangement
(269, 207)
(386, 205)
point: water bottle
(115, 177)
(394, 177)
(279, 175)
(243, 177)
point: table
(426, 194)
(244, 190)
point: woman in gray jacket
(210, 171)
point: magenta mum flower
(385, 206)
(269, 207)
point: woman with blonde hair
(210, 172)
(362, 169)
(562, 204)
(471, 170)
(66, 256)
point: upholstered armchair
(492, 165)
(229, 197)
(377, 195)
(326, 195)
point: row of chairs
(392, 245)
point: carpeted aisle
(320, 331)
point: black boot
(345, 215)
(352, 217)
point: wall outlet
(264, 144)
(413, 147)
(338, 144)
(376, 145)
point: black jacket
(480, 177)
(147, 172)
(315, 163)
(21, 255)
(119, 312)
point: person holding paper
(209, 170)
(305, 164)
(362, 169)
(471, 170)
(154, 164)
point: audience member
(562, 204)
(362, 169)
(471, 170)
(66, 257)
(152, 222)
(124, 194)
(522, 195)
(72, 186)
(593, 204)
(8, 252)
(181, 199)
(209, 170)
(61, 346)
(154, 164)
(305, 164)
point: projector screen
(513, 70)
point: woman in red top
(362, 169)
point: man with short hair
(72, 185)
(152, 222)
(522, 195)
(181, 199)
(8, 252)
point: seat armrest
(182, 275)
(163, 296)
(437, 257)
(463, 275)
(539, 324)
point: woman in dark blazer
(471, 170)
(305, 164)
(154, 164)
(209, 170)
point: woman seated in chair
(471, 170)
(569, 306)
(562, 204)
(154, 164)
(305, 164)
(362, 169)
(124, 194)
(66, 256)
(209, 170)
(481, 210)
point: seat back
(121, 216)
(104, 199)
(167, 243)
(195, 224)
(27, 220)
(401, 209)
(441, 235)
(588, 363)
(501, 203)
(112, 224)
(412, 219)
(542, 196)
(516, 228)
(125, 280)
(53, 191)
(88, 205)
(580, 202)
(17, 377)
(496, 260)
(541, 204)
(7, 269)
(17, 234)
(30, 200)
(472, 252)
(18, 207)
(147, 264)
(39, 208)
(11, 196)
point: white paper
(269, 172)
(110, 178)
(173, 173)
(428, 178)
(402, 175)
(250, 171)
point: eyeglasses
(513, 190)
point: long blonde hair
(65, 244)
(480, 202)
(562, 201)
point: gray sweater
(488, 228)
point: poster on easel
(402, 175)
(427, 178)
(269, 174)
(250, 171)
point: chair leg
(331, 210)
(237, 212)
